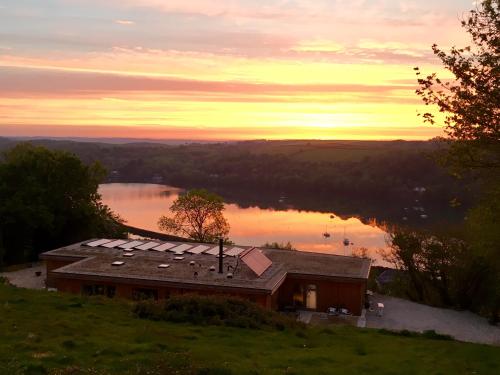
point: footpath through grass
(45, 333)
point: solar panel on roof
(181, 248)
(234, 251)
(163, 247)
(198, 249)
(98, 242)
(130, 245)
(147, 245)
(256, 261)
(215, 250)
(114, 243)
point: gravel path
(26, 277)
(462, 325)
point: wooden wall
(75, 286)
(329, 293)
(51, 265)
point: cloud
(28, 81)
(318, 45)
(221, 8)
(125, 22)
(214, 133)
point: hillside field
(52, 333)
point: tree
(471, 106)
(433, 264)
(49, 199)
(197, 215)
(279, 245)
(471, 101)
(483, 235)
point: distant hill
(117, 141)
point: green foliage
(483, 235)
(432, 264)
(47, 199)
(197, 215)
(428, 334)
(433, 335)
(110, 340)
(471, 101)
(213, 310)
(446, 271)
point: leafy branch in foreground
(471, 101)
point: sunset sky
(220, 69)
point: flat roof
(143, 267)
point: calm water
(141, 205)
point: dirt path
(462, 325)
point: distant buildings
(275, 279)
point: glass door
(311, 297)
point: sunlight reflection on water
(141, 205)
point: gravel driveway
(462, 325)
(26, 277)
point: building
(275, 279)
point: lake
(141, 205)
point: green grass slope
(52, 333)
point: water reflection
(142, 204)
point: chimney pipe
(221, 254)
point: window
(144, 293)
(298, 295)
(99, 290)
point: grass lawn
(42, 332)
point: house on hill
(275, 279)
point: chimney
(221, 254)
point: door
(311, 297)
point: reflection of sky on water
(142, 204)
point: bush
(214, 371)
(213, 310)
(430, 334)
(69, 344)
(433, 335)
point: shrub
(430, 334)
(69, 344)
(214, 371)
(433, 335)
(35, 369)
(360, 349)
(213, 310)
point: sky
(221, 69)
